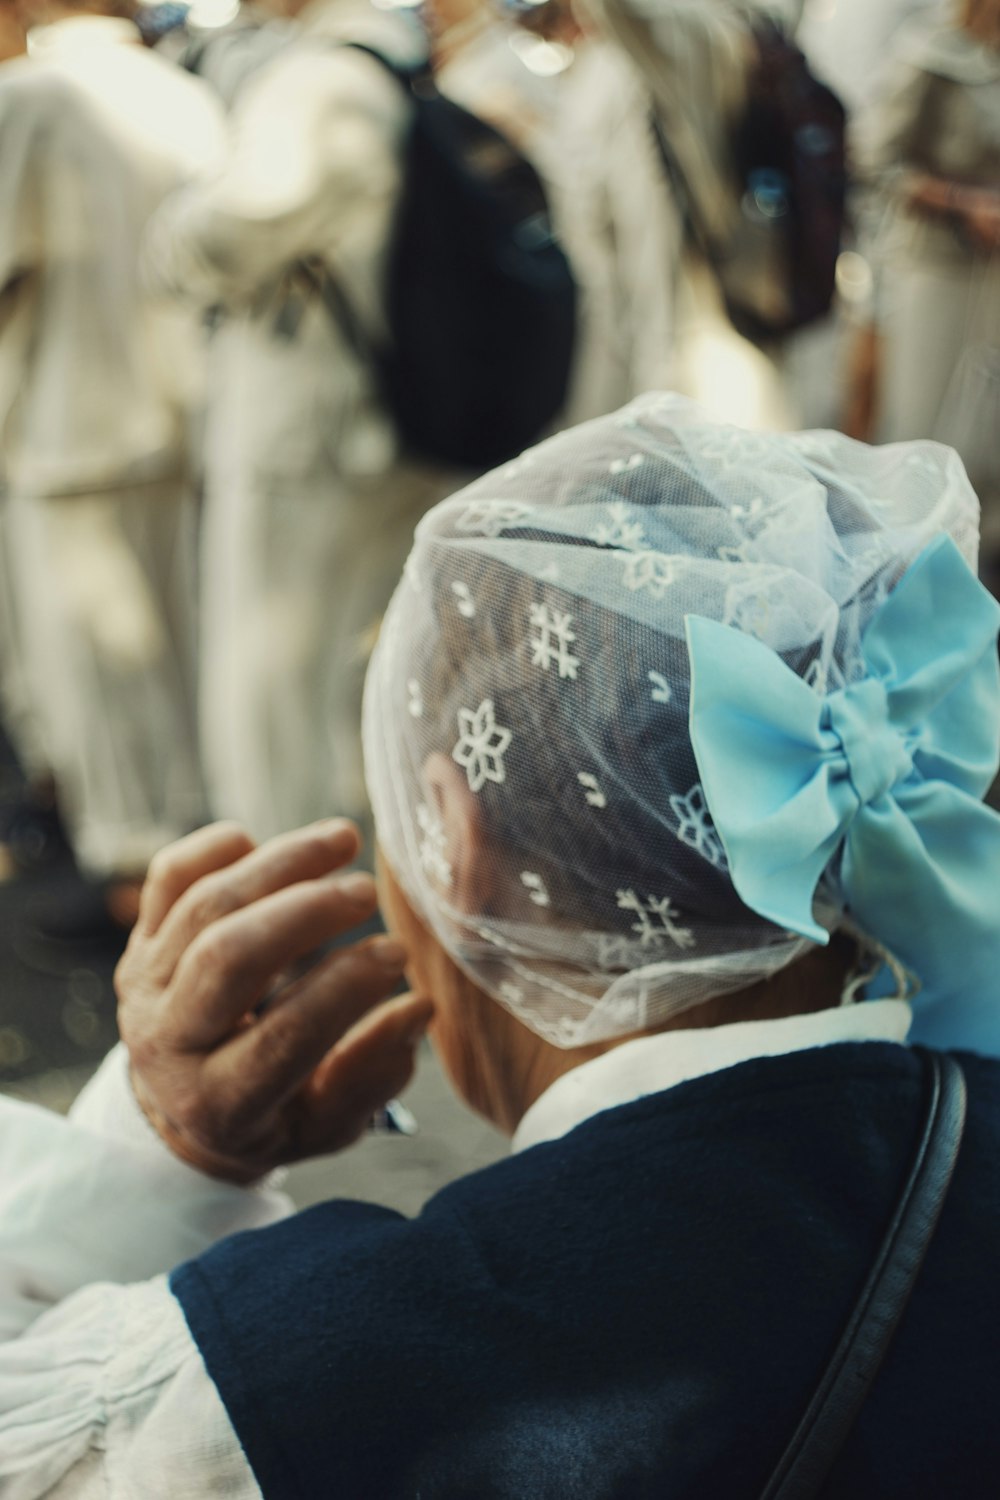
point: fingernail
(389, 953)
(358, 887)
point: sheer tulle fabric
(537, 641)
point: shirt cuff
(107, 1107)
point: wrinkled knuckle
(214, 951)
(280, 1043)
(210, 902)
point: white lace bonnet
(537, 639)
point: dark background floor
(56, 999)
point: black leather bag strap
(820, 1436)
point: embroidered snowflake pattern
(482, 745)
(433, 846)
(491, 517)
(652, 571)
(657, 920)
(620, 530)
(661, 687)
(695, 826)
(415, 699)
(466, 604)
(535, 886)
(554, 638)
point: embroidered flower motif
(620, 531)
(512, 993)
(747, 608)
(433, 846)
(649, 570)
(695, 827)
(482, 745)
(657, 920)
(491, 517)
(661, 687)
(554, 638)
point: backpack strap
(823, 1430)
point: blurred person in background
(31, 808)
(574, 104)
(310, 502)
(695, 58)
(846, 41)
(932, 143)
(97, 381)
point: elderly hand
(239, 1067)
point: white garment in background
(694, 57)
(97, 381)
(938, 111)
(846, 41)
(105, 1396)
(310, 509)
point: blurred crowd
(210, 232)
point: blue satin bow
(881, 781)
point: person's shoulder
(34, 82)
(40, 102)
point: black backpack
(777, 271)
(481, 301)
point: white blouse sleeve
(107, 1398)
(93, 1368)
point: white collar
(79, 33)
(650, 1064)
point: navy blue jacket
(641, 1309)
